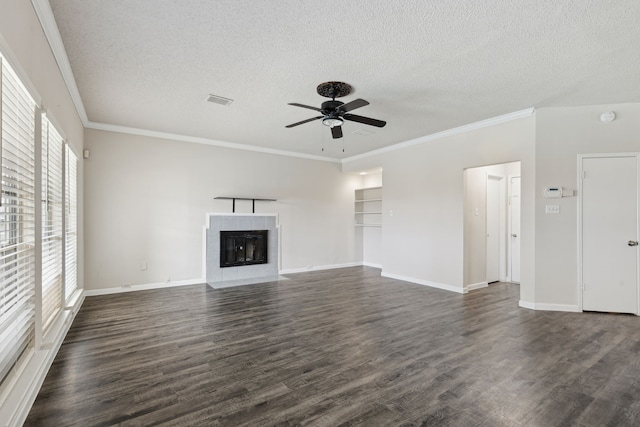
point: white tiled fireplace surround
(249, 274)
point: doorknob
(632, 243)
(514, 235)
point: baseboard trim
(557, 307)
(474, 286)
(320, 267)
(371, 264)
(144, 287)
(527, 304)
(24, 388)
(424, 283)
(549, 307)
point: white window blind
(17, 220)
(52, 146)
(71, 234)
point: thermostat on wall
(553, 192)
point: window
(17, 219)
(33, 288)
(52, 149)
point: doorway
(609, 255)
(489, 221)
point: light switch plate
(552, 209)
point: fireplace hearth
(240, 248)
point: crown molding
(446, 133)
(206, 141)
(51, 32)
(428, 138)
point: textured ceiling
(424, 66)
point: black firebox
(239, 248)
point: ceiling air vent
(219, 100)
(362, 132)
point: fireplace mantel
(253, 200)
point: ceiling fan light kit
(334, 113)
(332, 121)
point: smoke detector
(608, 116)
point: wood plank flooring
(336, 348)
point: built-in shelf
(368, 203)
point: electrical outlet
(126, 285)
(143, 266)
(168, 280)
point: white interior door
(610, 234)
(493, 229)
(515, 229)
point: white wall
(562, 134)
(373, 179)
(372, 246)
(423, 186)
(146, 200)
(475, 199)
(423, 241)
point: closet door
(610, 234)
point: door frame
(509, 224)
(581, 157)
(502, 224)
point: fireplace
(238, 248)
(220, 273)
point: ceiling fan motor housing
(329, 107)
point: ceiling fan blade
(356, 103)
(336, 131)
(304, 121)
(365, 120)
(295, 104)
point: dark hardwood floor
(340, 347)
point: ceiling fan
(334, 113)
